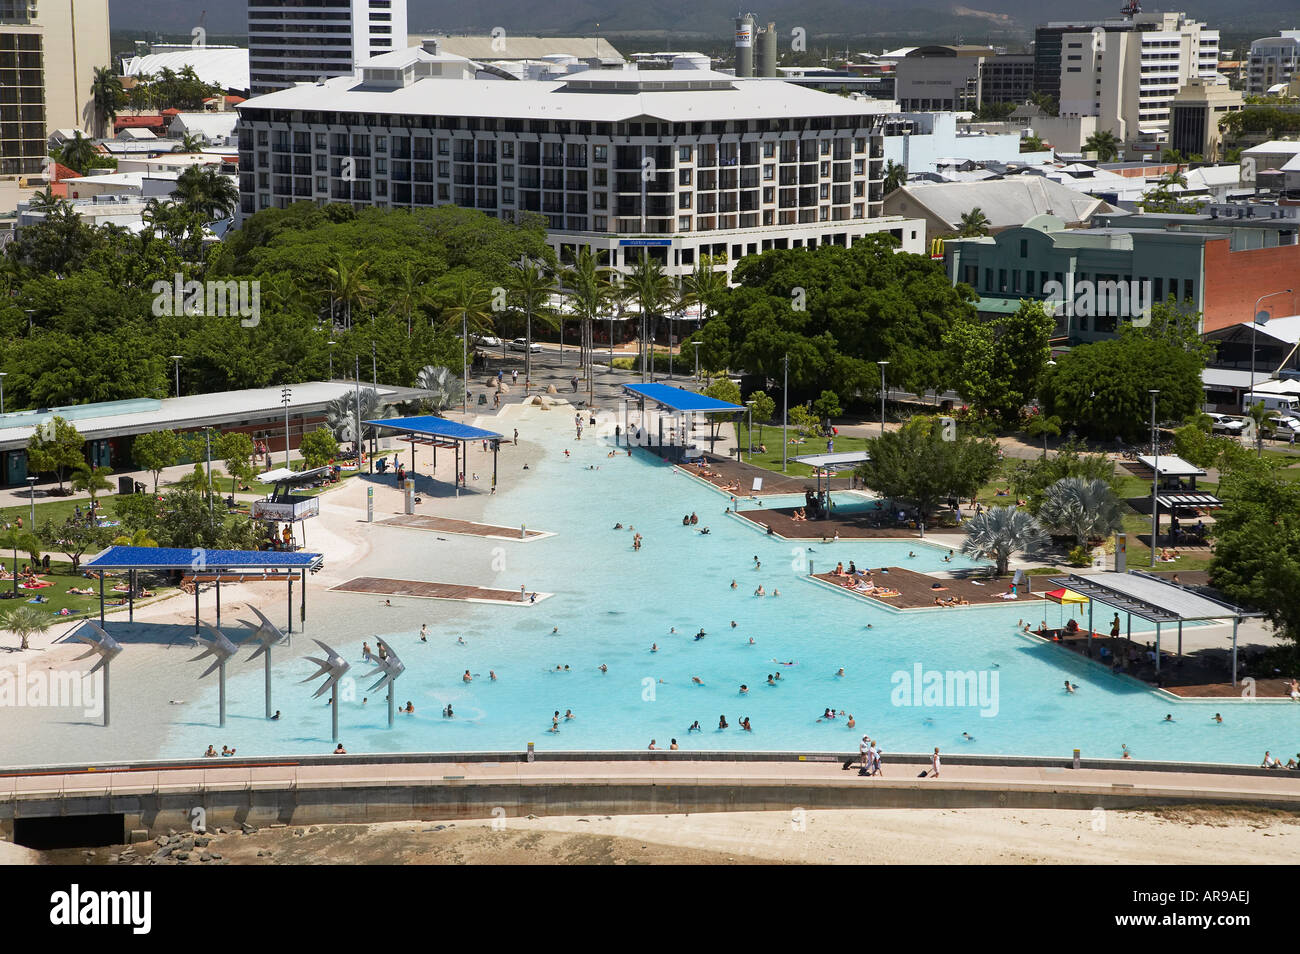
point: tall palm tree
(531, 287)
(895, 176)
(106, 96)
(409, 292)
(346, 285)
(590, 290)
(653, 290)
(44, 200)
(1088, 509)
(206, 191)
(999, 532)
(24, 622)
(341, 416)
(78, 153)
(1105, 144)
(973, 223)
(466, 303)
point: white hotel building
(301, 41)
(683, 162)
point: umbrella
(1063, 596)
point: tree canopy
(926, 461)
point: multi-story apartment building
(1195, 114)
(682, 162)
(305, 41)
(1127, 76)
(1274, 60)
(48, 53)
(960, 78)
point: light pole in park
(332, 344)
(1259, 318)
(882, 396)
(2, 391)
(1155, 476)
(177, 359)
(31, 496)
(286, 395)
(749, 428)
(697, 358)
(785, 410)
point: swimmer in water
(697, 680)
(1169, 717)
(852, 721)
(733, 584)
(840, 671)
(1218, 719)
(603, 668)
(701, 634)
(744, 689)
(492, 674)
(733, 624)
(555, 630)
(770, 680)
(1069, 688)
(467, 677)
(568, 714)
(744, 724)
(968, 737)
(654, 647)
(869, 626)
(722, 722)
(695, 727)
(460, 640)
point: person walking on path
(934, 763)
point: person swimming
(701, 634)
(744, 689)
(695, 727)
(770, 680)
(744, 724)
(840, 671)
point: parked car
(487, 341)
(1223, 424)
(521, 344)
(1284, 428)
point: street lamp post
(177, 359)
(697, 358)
(31, 496)
(749, 428)
(652, 359)
(1255, 322)
(207, 436)
(286, 395)
(785, 410)
(882, 396)
(1155, 477)
(332, 344)
(2, 391)
(464, 363)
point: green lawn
(57, 510)
(62, 577)
(771, 436)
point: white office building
(1274, 61)
(683, 162)
(304, 41)
(1127, 76)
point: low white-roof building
(224, 66)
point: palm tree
(1259, 417)
(591, 290)
(207, 192)
(440, 387)
(19, 538)
(1105, 144)
(652, 290)
(346, 284)
(78, 153)
(92, 480)
(341, 417)
(190, 143)
(140, 538)
(531, 288)
(106, 95)
(895, 176)
(44, 200)
(466, 303)
(1088, 509)
(408, 292)
(704, 287)
(24, 622)
(998, 532)
(973, 223)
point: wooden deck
(916, 590)
(723, 472)
(852, 525)
(427, 590)
(465, 528)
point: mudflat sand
(859, 836)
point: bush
(1081, 556)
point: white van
(1284, 403)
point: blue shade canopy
(184, 558)
(432, 426)
(679, 399)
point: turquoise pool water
(611, 604)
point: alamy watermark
(52, 689)
(951, 688)
(212, 298)
(1086, 298)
